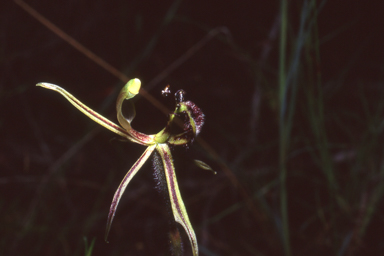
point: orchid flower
(194, 120)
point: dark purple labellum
(193, 119)
(196, 114)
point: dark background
(59, 171)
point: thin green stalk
(283, 132)
(371, 145)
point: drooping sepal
(178, 208)
(123, 185)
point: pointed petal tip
(42, 84)
(111, 216)
(106, 239)
(48, 86)
(107, 231)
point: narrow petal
(120, 190)
(178, 208)
(204, 166)
(89, 112)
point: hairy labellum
(196, 114)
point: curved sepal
(123, 185)
(130, 90)
(178, 208)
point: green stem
(284, 130)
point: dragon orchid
(160, 142)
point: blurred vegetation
(293, 95)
